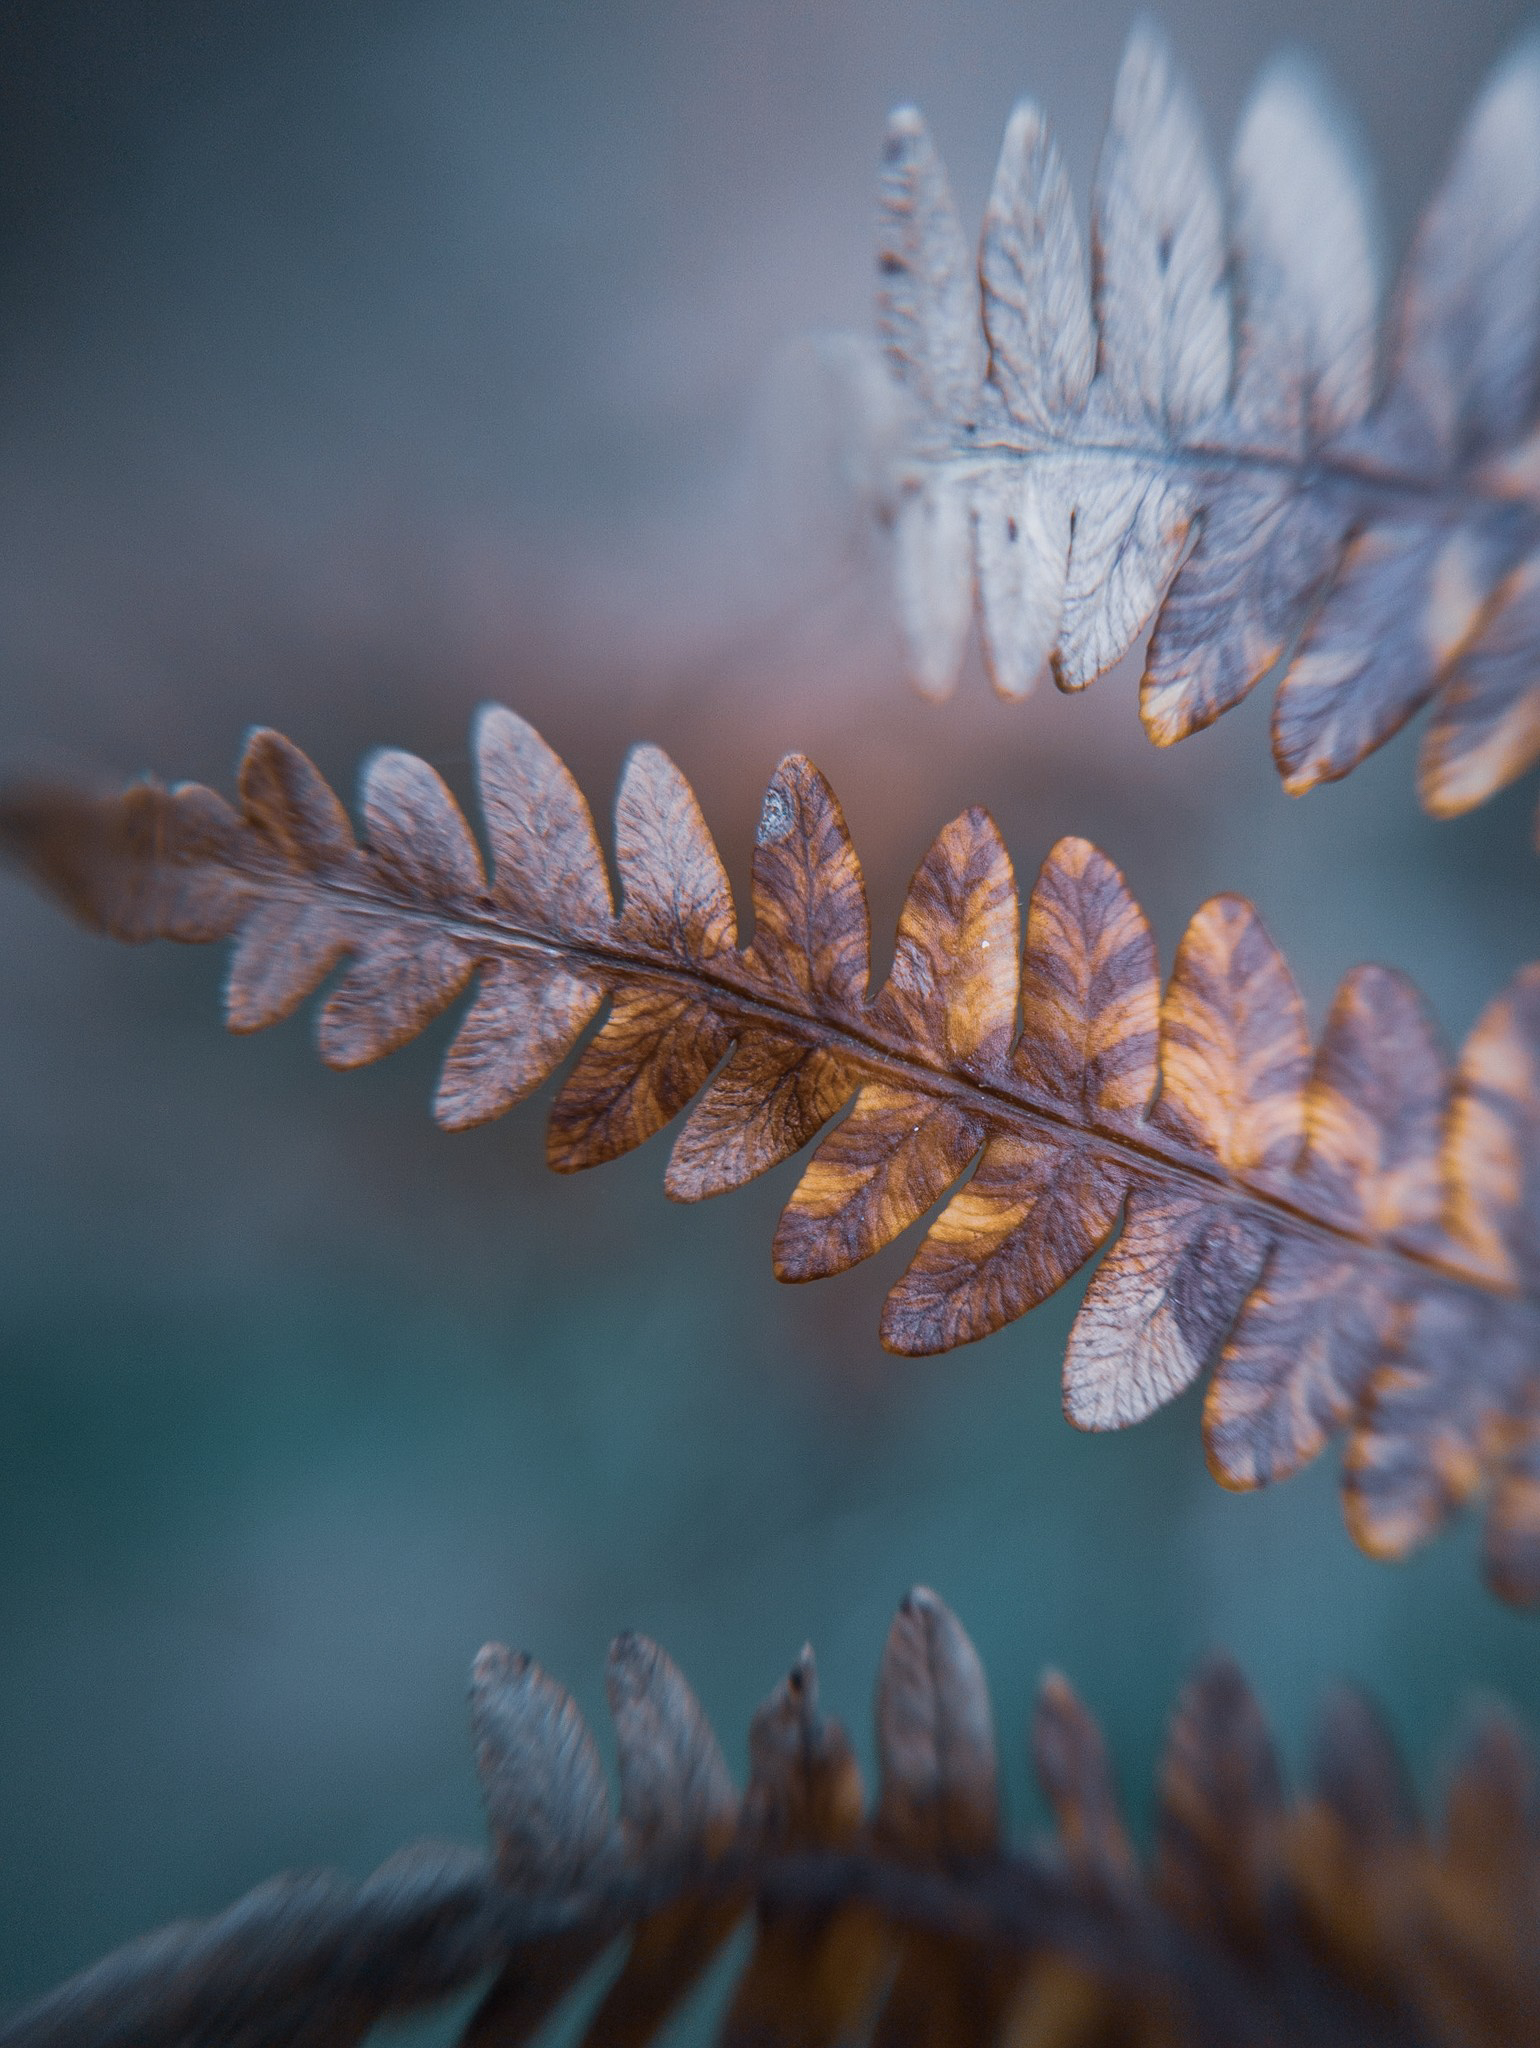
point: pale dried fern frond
(1204, 428)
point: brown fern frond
(1352, 1236)
(1200, 428)
(1334, 1918)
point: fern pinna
(1331, 1920)
(1202, 431)
(1353, 1236)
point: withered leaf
(1234, 1053)
(938, 1801)
(546, 863)
(1090, 989)
(1358, 1253)
(812, 943)
(1092, 454)
(1322, 1314)
(675, 1795)
(1513, 1525)
(1158, 1308)
(1433, 1423)
(1070, 1757)
(419, 848)
(813, 1975)
(1331, 1917)
(897, 1152)
(541, 1777)
(1358, 1773)
(1218, 1832)
(939, 1792)
(654, 1052)
(1030, 1217)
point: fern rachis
(1347, 1235)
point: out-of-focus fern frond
(1328, 1920)
(1203, 427)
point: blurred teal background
(358, 363)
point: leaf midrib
(1357, 473)
(1002, 1098)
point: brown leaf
(284, 951)
(657, 1047)
(1159, 1306)
(653, 1054)
(547, 867)
(1235, 1052)
(938, 1801)
(939, 1793)
(527, 1016)
(955, 978)
(1490, 1810)
(1372, 1258)
(1492, 1153)
(1034, 1211)
(1358, 1773)
(289, 804)
(145, 862)
(670, 1952)
(1332, 1920)
(419, 849)
(1218, 1832)
(1317, 1323)
(952, 992)
(769, 1099)
(1090, 990)
(675, 1796)
(1434, 1418)
(812, 931)
(812, 1976)
(1030, 1217)
(1311, 1332)
(549, 1812)
(530, 1988)
(804, 1782)
(1234, 1057)
(812, 943)
(1075, 1773)
(540, 1775)
(674, 1781)
(1512, 1558)
(897, 1152)
(674, 894)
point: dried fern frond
(1202, 430)
(1333, 1919)
(1353, 1235)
